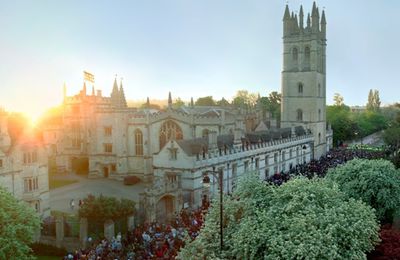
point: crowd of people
(147, 241)
(163, 241)
(320, 167)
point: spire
(286, 22)
(169, 99)
(191, 102)
(315, 18)
(308, 21)
(301, 17)
(323, 24)
(115, 93)
(286, 16)
(148, 102)
(122, 99)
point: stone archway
(165, 209)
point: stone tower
(304, 74)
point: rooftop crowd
(147, 241)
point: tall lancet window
(299, 115)
(138, 142)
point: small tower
(115, 94)
(148, 103)
(122, 99)
(169, 99)
(304, 75)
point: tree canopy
(374, 101)
(18, 225)
(376, 182)
(205, 101)
(104, 208)
(301, 219)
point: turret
(315, 18)
(286, 21)
(301, 18)
(148, 102)
(115, 94)
(323, 25)
(169, 99)
(122, 99)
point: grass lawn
(56, 183)
(48, 257)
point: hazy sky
(192, 48)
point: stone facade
(23, 169)
(304, 75)
(173, 150)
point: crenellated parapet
(314, 26)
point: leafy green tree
(104, 208)
(369, 122)
(374, 101)
(223, 103)
(245, 100)
(271, 104)
(375, 182)
(338, 100)
(178, 103)
(205, 101)
(342, 124)
(301, 219)
(18, 225)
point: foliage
(391, 136)
(244, 100)
(376, 182)
(271, 104)
(302, 219)
(104, 208)
(338, 99)
(374, 102)
(178, 103)
(223, 102)
(18, 225)
(342, 125)
(347, 125)
(389, 248)
(205, 101)
(369, 122)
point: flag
(88, 76)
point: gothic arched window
(319, 138)
(169, 130)
(319, 114)
(307, 56)
(300, 88)
(299, 115)
(295, 54)
(138, 142)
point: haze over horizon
(192, 49)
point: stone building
(173, 150)
(23, 168)
(304, 75)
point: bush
(302, 219)
(105, 208)
(376, 182)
